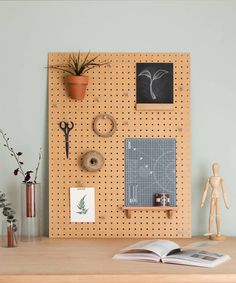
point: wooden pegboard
(113, 91)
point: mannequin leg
(212, 210)
(217, 217)
(218, 236)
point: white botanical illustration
(158, 74)
(81, 206)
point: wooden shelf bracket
(168, 209)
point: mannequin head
(216, 169)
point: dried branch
(15, 155)
(38, 164)
(26, 174)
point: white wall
(206, 29)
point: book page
(151, 257)
(159, 247)
(197, 258)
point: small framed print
(82, 205)
(154, 86)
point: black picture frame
(154, 86)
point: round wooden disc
(217, 238)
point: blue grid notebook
(150, 168)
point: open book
(169, 252)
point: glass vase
(30, 211)
(10, 233)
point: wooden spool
(93, 161)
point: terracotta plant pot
(77, 86)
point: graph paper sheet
(150, 168)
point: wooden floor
(90, 261)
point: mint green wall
(206, 29)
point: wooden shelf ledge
(168, 209)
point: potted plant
(9, 225)
(77, 68)
(30, 194)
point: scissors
(66, 128)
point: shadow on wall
(45, 172)
(201, 214)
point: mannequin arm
(224, 193)
(205, 193)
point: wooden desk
(89, 261)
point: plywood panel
(112, 90)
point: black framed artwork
(154, 86)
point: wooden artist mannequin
(215, 182)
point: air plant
(77, 66)
(159, 74)
(17, 156)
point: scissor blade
(67, 149)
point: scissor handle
(63, 125)
(66, 126)
(70, 127)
